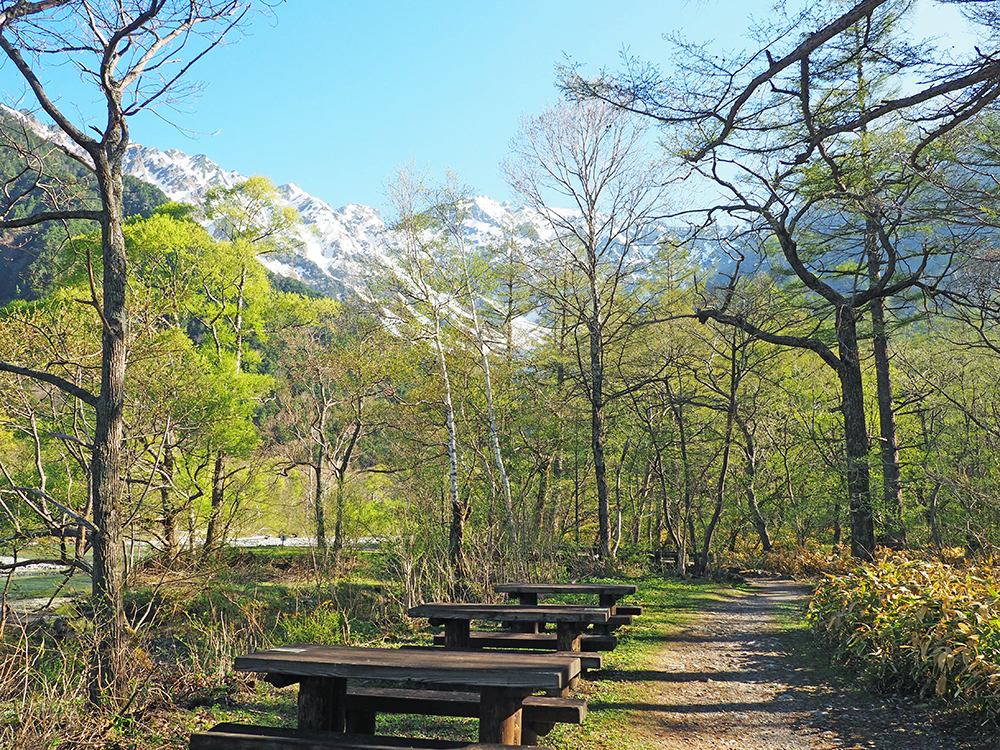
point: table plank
(552, 613)
(614, 589)
(476, 668)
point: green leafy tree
(807, 140)
(592, 157)
(134, 53)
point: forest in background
(528, 407)
(254, 409)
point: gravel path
(734, 679)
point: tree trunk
(459, 510)
(932, 518)
(750, 453)
(171, 546)
(218, 495)
(319, 493)
(855, 435)
(618, 497)
(109, 664)
(685, 537)
(494, 431)
(541, 495)
(597, 438)
(665, 501)
(895, 530)
(720, 487)
(319, 499)
(456, 547)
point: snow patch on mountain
(339, 246)
(183, 178)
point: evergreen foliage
(34, 257)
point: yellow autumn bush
(913, 624)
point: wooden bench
(668, 556)
(250, 737)
(589, 642)
(539, 713)
(628, 609)
(590, 658)
(616, 621)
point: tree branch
(797, 342)
(46, 377)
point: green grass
(201, 616)
(667, 604)
(36, 586)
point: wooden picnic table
(607, 594)
(502, 679)
(570, 620)
(527, 593)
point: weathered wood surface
(500, 715)
(590, 643)
(617, 621)
(546, 589)
(553, 613)
(536, 708)
(608, 595)
(473, 668)
(321, 703)
(249, 737)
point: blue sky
(334, 96)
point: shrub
(917, 625)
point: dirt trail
(734, 679)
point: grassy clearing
(191, 622)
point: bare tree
(136, 53)
(816, 150)
(592, 156)
(420, 299)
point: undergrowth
(918, 625)
(189, 621)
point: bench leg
(528, 735)
(360, 721)
(322, 701)
(531, 731)
(500, 715)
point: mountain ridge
(338, 246)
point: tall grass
(920, 625)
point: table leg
(610, 601)
(322, 701)
(524, 627)
(456, 634)
(525, 600)
(500, 715)
(568, 636)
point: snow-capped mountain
(339, 245)
(183, 178)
